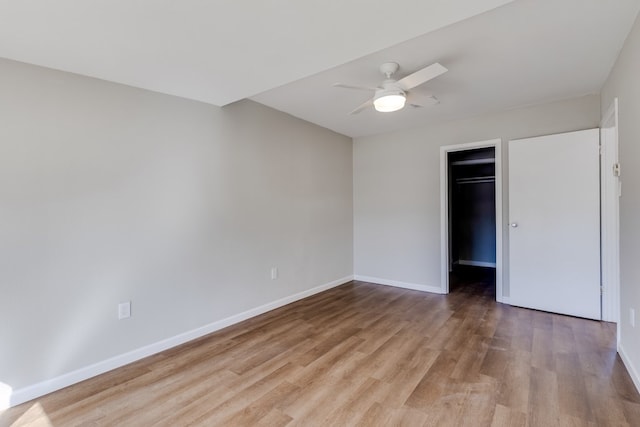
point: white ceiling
(287, 53)
(526, 52)
(216, 51)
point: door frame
(444, 210)
(610, 216)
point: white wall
(624, 83)
(110, 193)
(397, 186)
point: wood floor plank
(503, 416)
(573, 399)
(607, 410)
(402, 385)
(268, 404)
(377, 414)
(407, 417)
(543, 398)
(358, 403)
(542, 350)
(371, 355)
(274, 418)
(514, 387)
(631, 411)
(479, 406)
(220, 414)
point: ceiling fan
(391, 95)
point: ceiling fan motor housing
(388, 91)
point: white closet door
(554, 212)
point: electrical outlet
(124, 310)
(274, 273)
(632, 317)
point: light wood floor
(370, 355)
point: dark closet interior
(472, 219)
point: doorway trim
(610, 216)
(444, 210)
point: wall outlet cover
(124, 310)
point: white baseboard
(9, 398)
(504, 300)
(397, 284)
(476, 263)
(633, 373)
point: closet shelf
(473, 162)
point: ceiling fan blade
(354, 87)
(363, 106)
(422, 76)
(419, 100)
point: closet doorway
(471, 212)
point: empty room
(270, 213)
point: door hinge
(616, 169)
(601, 290)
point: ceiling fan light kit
(388, 101)
(391, 95)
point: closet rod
(477, 182)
